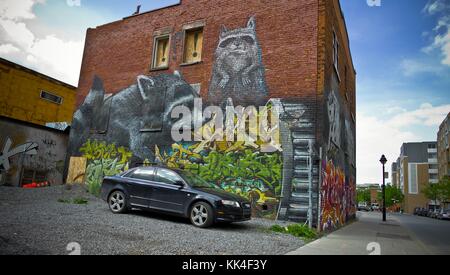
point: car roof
(157, 167)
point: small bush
(297, 230)
(301, 231)
(277, 228)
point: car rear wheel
(117, 202)
(202, 215)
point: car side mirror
(179, 183)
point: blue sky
(401, 51)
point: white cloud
(435, 6)
(50, 54)
(441, 32)
(377, 136)
(8, 49)
(18, 9)
(411, 67)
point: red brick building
(303, 58)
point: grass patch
(80, 201)
(63, 201)
(74, 201)
(296, 230)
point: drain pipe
(319, 198)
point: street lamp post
(383, 161)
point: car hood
(223, 194)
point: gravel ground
(32, 221)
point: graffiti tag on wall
(338, 196)
(29, 148)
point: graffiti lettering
(246, 125)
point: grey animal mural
(334, 120)
(238, 71)
(137, 117)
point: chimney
(138, 10)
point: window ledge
(159, 69)
(191, 63)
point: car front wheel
(202, 215)
(117, 202)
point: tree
(444, 195)
(363, 195)
(393, 195)
(433, 192)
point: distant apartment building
(394, 175)
(443, 141)
(414, 170)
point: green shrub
(297, 230)
(301, 231)
(277, 228)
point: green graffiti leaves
(103, 160)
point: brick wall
(287, 31)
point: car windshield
(195, 181)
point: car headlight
(230, 203)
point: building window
(161, 50)
(51, 97)
(336, 53)
(412, 180)
(193, 44)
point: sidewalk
(393, 239)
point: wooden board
(77, 170)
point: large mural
(284, 169)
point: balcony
(432, 150)
(433, 171)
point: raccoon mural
(238, 71)
(138, 117)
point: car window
(167, 176)
(143, 174)
(196, 181)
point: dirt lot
(45, 221)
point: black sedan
(176, 192)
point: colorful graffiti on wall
(103, 160)
(235, 168)
(338, 197)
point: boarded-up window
(161, 52)
(193, 45)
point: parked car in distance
(375, 207)
(444, 214)
(417, 210)
(434, 213)
(175, 192)
(362, 206)
(423, 212)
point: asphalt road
(432, 233)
